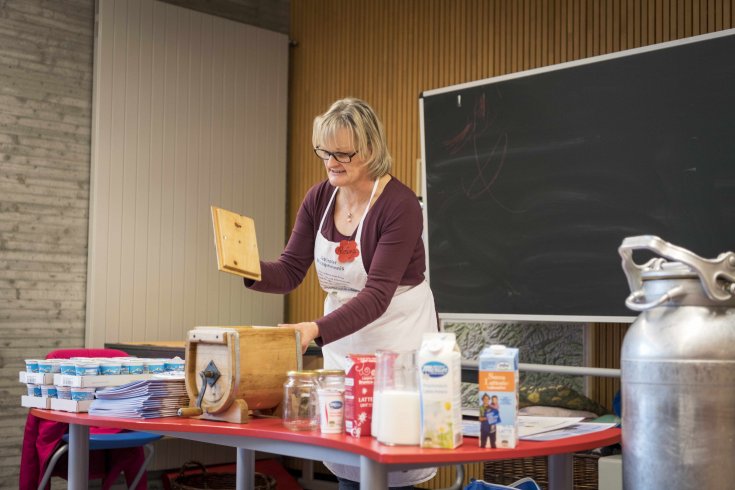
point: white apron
(409, 315)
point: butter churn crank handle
(189, 412)
(209, 376)
(717, 275)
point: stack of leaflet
(160, 396)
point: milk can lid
(661, 269)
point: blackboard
(533, 180)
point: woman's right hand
(309, 331)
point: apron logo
(347, 251)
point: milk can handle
(717, 275)
(632, 301)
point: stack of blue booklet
(160, 396)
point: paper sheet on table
(470, 413)
(527, 425)
(573, 430)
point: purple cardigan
(392, 253)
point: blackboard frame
(450, 293)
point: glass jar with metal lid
(331, 394)
(330, 379)
(300, 403)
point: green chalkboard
(534, 179)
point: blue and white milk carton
(440, 375)
(498, 393)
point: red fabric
(41, 437)
(69, 353)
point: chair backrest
(67, 353)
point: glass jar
(331, 394)
(330, 379)
(300, 404)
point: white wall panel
(190, 110)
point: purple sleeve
(285, 274)
(396, 235)
(392, 250)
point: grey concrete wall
(45, 123)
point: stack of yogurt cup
(46, 366)
(88, 366)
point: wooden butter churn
(231, 371)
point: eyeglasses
(341, 157)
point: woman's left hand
(309, 331)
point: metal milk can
(678, 369)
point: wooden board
(237, 248)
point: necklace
(357, 206)
(349, 212)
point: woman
(362, 229)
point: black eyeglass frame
(335, 154)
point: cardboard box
(440, 375)
(498, 396)
(97, 381)
(36, 378)
(35, 401)
(70, 405)
(359, 381)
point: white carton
(35, 401)
(70, 405)
(36, 378)
(498, 393)
(97, 381)
(440, 374)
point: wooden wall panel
(190, 111)
(604, 342)
(388, 52)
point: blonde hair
(367, 132)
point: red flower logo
(347, 251)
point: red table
(268, 435)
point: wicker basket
(215, 481)
(507, 471)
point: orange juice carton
(440, 384)
(498, 392)
(359, 381)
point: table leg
(373, 475)
(78, 469)
(561, 472)
(245, 475)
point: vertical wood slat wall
(388, 52)
(605, 341)
(190, 110)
